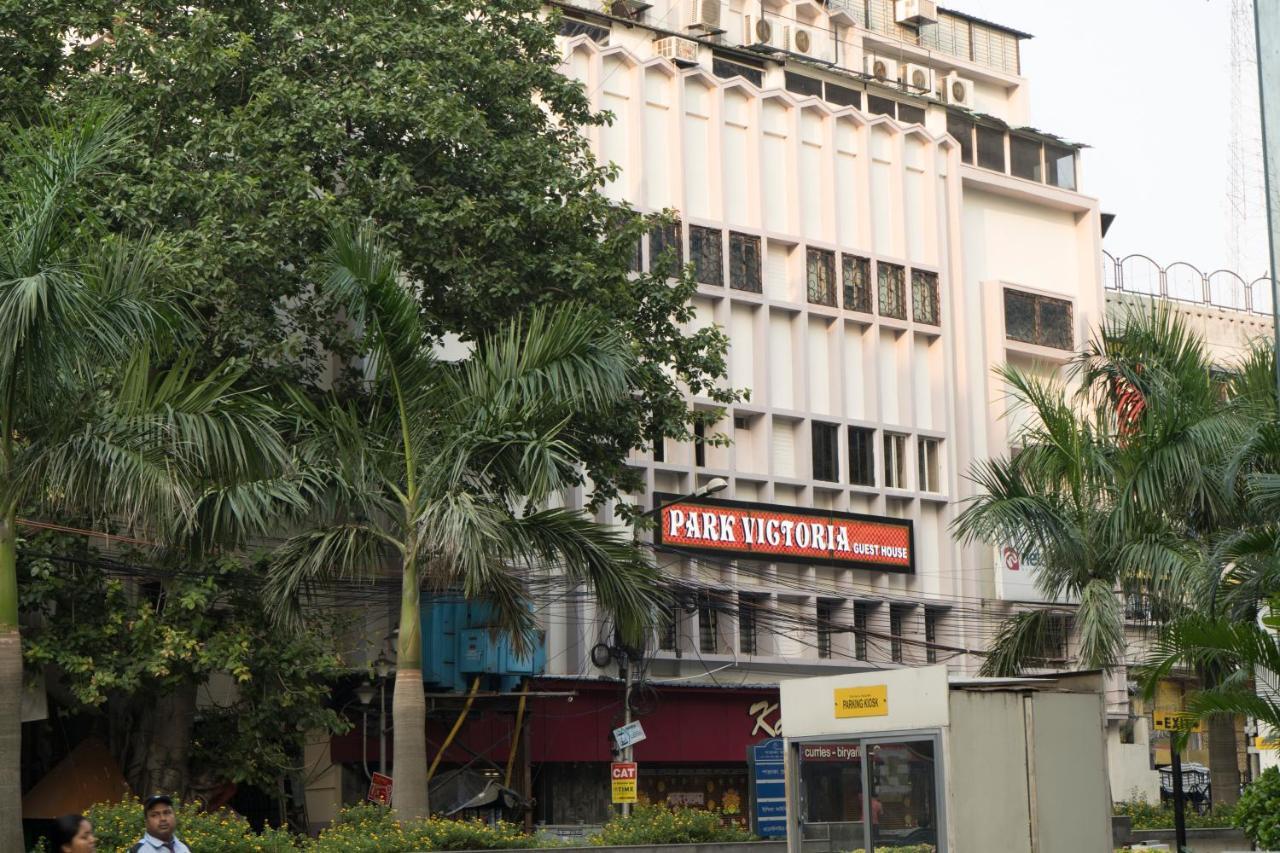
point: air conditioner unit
(763, 34)
(880, 68)
(801, 40)
(678, 50)
(917, 79)
(916, 12)
(704, 15)
(957, 90)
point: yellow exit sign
(870, 701)
(1167, 721)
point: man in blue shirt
(161, 825)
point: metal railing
(1184, 282)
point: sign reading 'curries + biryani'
(787, 534)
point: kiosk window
(904, 796)
(831, 785)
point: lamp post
(384, 669)
(711, 487)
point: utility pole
(1179, 802)
(1266, 25)
(626, 716)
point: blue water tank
(460, 642)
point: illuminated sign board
(787, 534)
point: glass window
(667, 628)
(820, 266)
(831, 795)
(744, 262)
(802, 85)
(706, 624)
(666, 255)
(903, 795)
(855, 276)
(726, 70)
(700, 444)
(882, 106)
(961, 127)
(929, 472)
(893, 290)
(924, 298)
(706, 248)
(1024, 158)
(747, 605)
(862, 456)
(826, 619)
(844, 96)
(895, 632)
(860, 630)
(659, 448)
(826, 464)
(1061, 163)
(991, 148)
(1040, 320)
(1020, 316)
(908, 114)
(895, 464)
(931, 635)
(1054, 322)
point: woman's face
(84, 842)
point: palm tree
(448, 469)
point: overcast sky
(1147, 84)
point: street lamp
(715, 484)
(384, 669)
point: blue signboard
(768, 788)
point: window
(1024, 158)
(1061, 164)
(667, 629)
(893, 290)
(820, 266)
(929, 472)
(706, 624)
(896, 621)
(1053, 640)
(744, 262)
(802, 85)
(826, 617)
(924, 298)
(706, 248)
(700, 444)
(931, 635)
(991, 148)
(665, 252)
(862, 456)
(882, 106)
(1040, 320)
(844, 96)
(855, 276)
(659, 448)
(826, 465)
(747, 605)
(903, 781)
(908, 114)
(860, 630)
(961, 127)
(895, 465)
(726, 70)
(570, 27)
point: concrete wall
(992, 759)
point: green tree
(450, 470)
(446, 121)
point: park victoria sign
(787, 534)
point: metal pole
(626, 718)
(1179, 803)
(382, 729)
(1266, 24)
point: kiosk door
(832, 797)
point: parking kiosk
(914, 760)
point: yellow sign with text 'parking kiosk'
(872, 701)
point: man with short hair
(161, 825)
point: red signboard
(380, 789)
(788, 534)
(622, 770)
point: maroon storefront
(694, 754)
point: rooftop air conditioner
(880, 68)
(704, 15)
(916, 12)
(763, 34)
(957, 90)
(917, 79)
(801, 40)
(680, 51)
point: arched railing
(1184, 282)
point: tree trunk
(1224, 761)
(409, 707)
(10, 690)
(168, 744)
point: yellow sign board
(622, 775)
(1167, 721)
(1261, 742)
(870, 701)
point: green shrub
(1258, 812)
(1160, 815)
(368, 828)
(119, 825)
(656, 824)
(907, 848)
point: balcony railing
(1183, 282)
